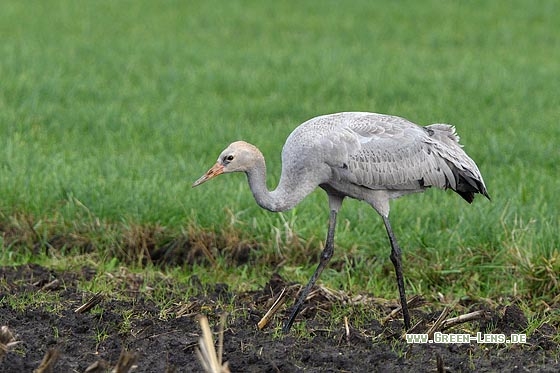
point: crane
(367, 156)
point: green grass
(109, 110)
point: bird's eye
(228, 158)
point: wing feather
(386, 152)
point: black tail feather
(467, 185)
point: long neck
(284, 197)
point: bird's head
(239, 156)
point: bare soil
(165, 340)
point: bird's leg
(326, 255)
(396, 259)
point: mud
(164, 340)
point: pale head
(239, 156)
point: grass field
(109, 110)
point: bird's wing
(386, 152)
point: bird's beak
(216, 170)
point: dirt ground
(93, 340)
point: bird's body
(366, 156)
(373, 157)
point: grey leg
(326, 255)
(396, 259)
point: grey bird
(367, 156)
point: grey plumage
(369, 152)
(366, 156)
